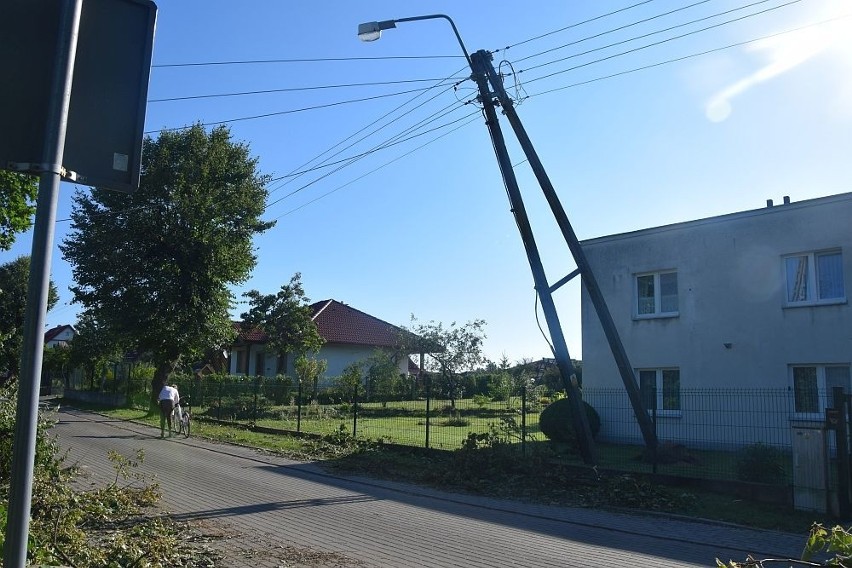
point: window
(656, 294)
(815, 277)
(660, 389)
(813, 384)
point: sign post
(66, 114)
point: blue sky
(427, 230)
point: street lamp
(371, 31)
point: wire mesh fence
(732, 434)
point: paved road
(271, 506)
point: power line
(374, 170)
(353, 160)
(292, 89)
(387, 144)
(293, 111)
(574, 25)
(690, 56)
(654, 44)
(374, 123)
(309, 60)
(612, 30)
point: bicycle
(182, 425)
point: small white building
(350, 336)
(59, 336)
(742, 315)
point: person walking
(168, 399)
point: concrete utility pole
(481, 62)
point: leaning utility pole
(483, 74)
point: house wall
(733, 329)
(338, 357)
(62, 338)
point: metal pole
(481, 61)
(355, 412)
(843, 467)
(428, 400)
(23, 457)
(595, 294)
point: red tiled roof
(339, 323)
(53, 332)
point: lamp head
(371, 31)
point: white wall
(731, 290)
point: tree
(14, 279)
(383, 377)
(154, 268)
(93, 348)
(17, 205)
(285, 318)
(449, 351)
(309, 370)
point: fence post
(428, 400)
(839, 400)
(299, 408)
(656, 434)
(355, 412)
(524, 418)
(219, 405)
(254, 404)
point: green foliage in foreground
(107, 526)
(821, 542)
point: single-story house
(59, 336)
(350, 336)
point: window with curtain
(813, 384)
(814, 278)
(656, 294)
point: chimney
(786, 200)
(769, 203)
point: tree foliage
(17, 205)
(450, 350)
(285, 318)
(154, 268)
(384, 380)
(14, 281)
(309, 370)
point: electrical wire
(636, 23)
(690, 56)
(309, 60)
(291, 211)
(292, 111)
(574, 25)
(435, 116)
(292, 90)
(653, 44)
(376, 123)
(350, 162)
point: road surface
(271, 511)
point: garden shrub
(557, 424)
(760, 463)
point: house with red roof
(350, 336)
(59, 336)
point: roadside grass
(500, 472)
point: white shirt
(169, 393)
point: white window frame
(823, 395)
(658, 313)
(659, 390)
(812, 283)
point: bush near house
(556, 421)
(760, 463)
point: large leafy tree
(17, 205)
(14, 278)
(450, 351)
(285, 318)
(154, 268)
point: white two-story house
(737, 326)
